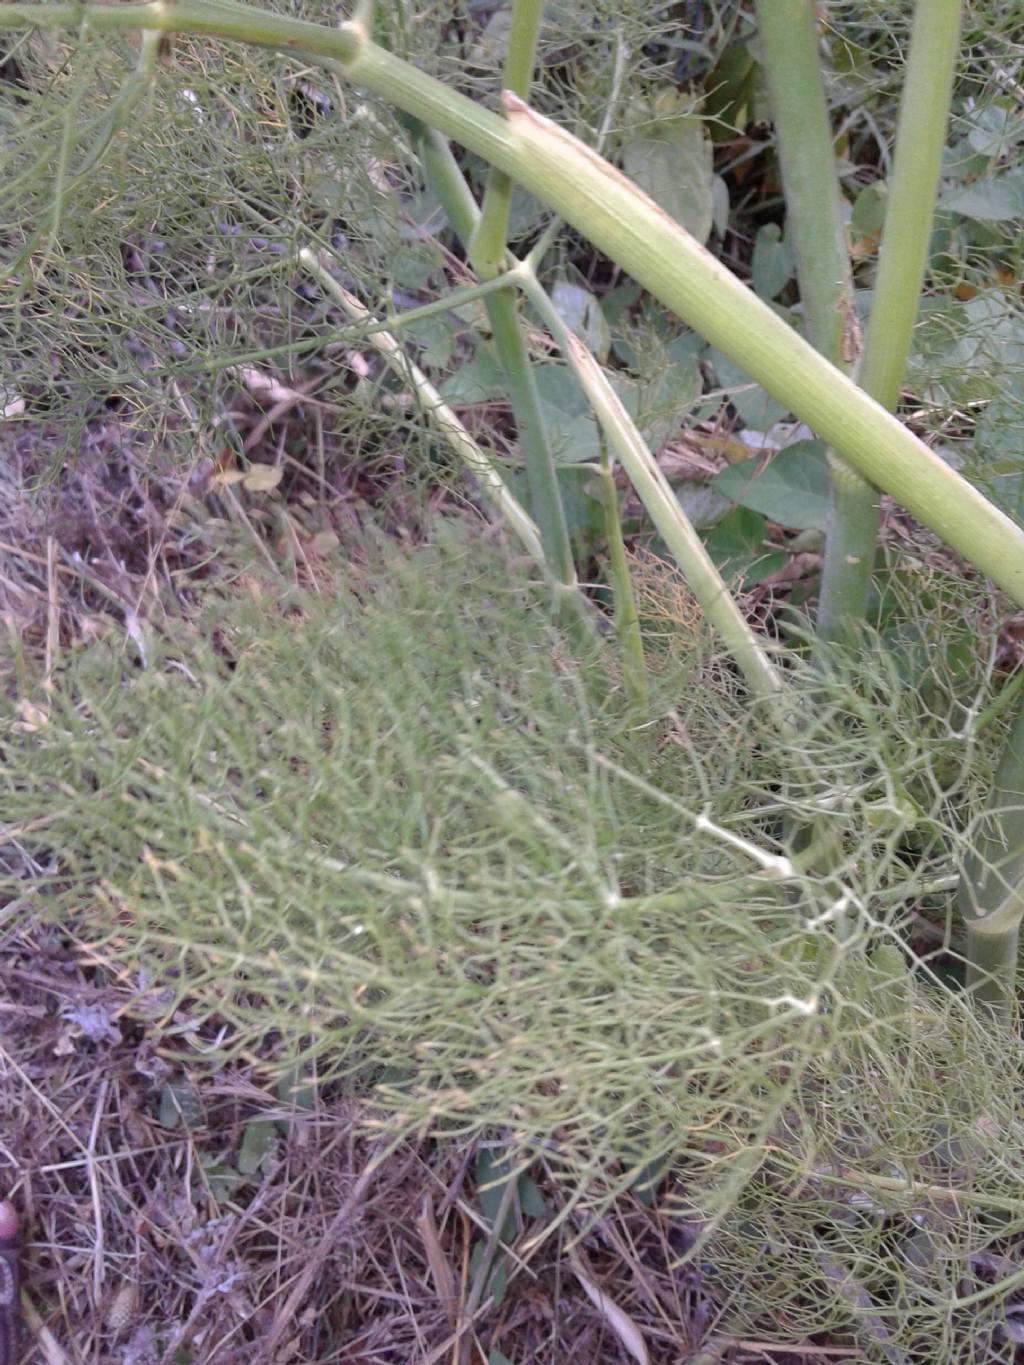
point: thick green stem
(815, 227)
(851, 531)
(814, 220)
(630, 228)
(992, 969)
(990, 896)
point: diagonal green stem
(541, 473)
(437, 410)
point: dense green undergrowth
(400, 838)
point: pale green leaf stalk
(442, 173)
(815, 227)
(622, 222)
(435, 409)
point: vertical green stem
(483, 233)
(541, 473)
(992, 968)
(487, 249)
(627, 618)
(815, 227)
(449, 184)
(903, 255)
(812, 193)
(991, 893)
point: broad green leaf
(480, 380)
(998, 460)
(222, 1180)
(736, 544)
(581, 313)
(998, 200)
(296, 1090)
(571, 428)
(703, 505)
(868, 216)
(497, 1280)
(791, 489)
(437, 338)
(258, 1139)
(574, 440)
(663, 402)
(967, 352)
(772, 266)
(578, 485)
(995, 130)
(756, 409)
(412, 265)
(525, 213)
(179, 1104)
(618, 301)
(668, 153)
(730, 91)
(530, 1198)
(558, 386)
(492, 1178)
(649, 1177)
